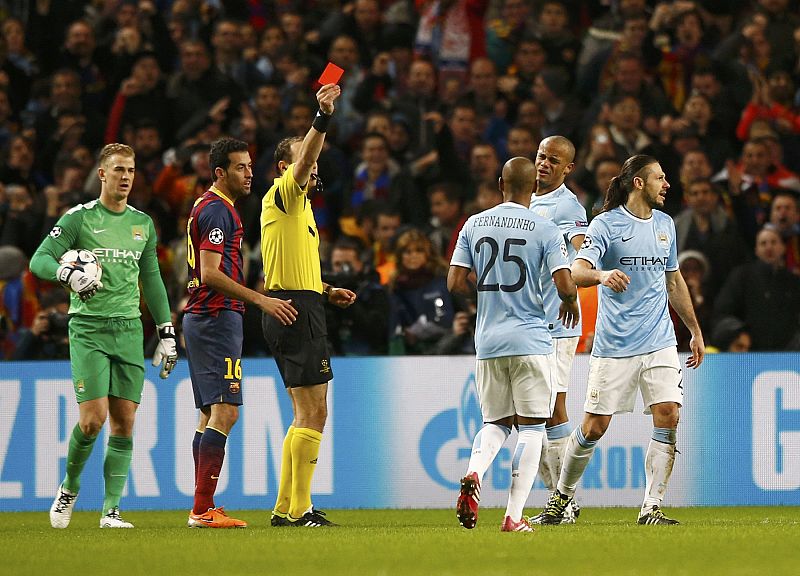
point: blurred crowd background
(437, 95)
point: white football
(83, 260)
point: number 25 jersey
(508, 246)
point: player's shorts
(300, 349)
(107, 357)
(565, 353)
(516, 385)
(613, 381)
(214, 351)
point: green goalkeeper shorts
(107, 358)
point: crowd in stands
(437, 95)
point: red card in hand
(331, 74)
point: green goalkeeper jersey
(124, 244)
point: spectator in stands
(47, 338)
(504, 34)
(226, 41)
(553, 28)
(363, 328)
(772, 100)
(784, 217)
(17, 52)
(689, 49)
(521, 142)
(93, 65)
(730, 335)
(598, 146)
(530, 58)
(418, 100)
(199, 94)
(763, 295)
(484, 165)
(66, 103)
(452, 35)
(698, 115)
(379, 177)
(422, 308)
(562, 114)
(21, 223)
(630, 80)
(364, 24)
(19, 302)
(141, 96)
(725, 102)
(446, 208)
(19, 165)
(704, 226)
(598, 74)
(272, 41)
(625, 128)
(751, 183)
(266, 105)
(696, 271)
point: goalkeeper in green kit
(105, 332)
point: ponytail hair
(621, 185)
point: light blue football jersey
(560, 206)
(637, 320)
(508, 246)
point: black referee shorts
(300, 349)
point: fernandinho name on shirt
(505, 222)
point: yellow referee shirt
(289, 237)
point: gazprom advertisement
(399, 435)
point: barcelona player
(212, 322)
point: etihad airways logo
(643, 261)
(116, 254)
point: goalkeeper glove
(78, 281)
(167, 351)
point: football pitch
(709, 541)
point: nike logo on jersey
(626, 239)
(98, 231)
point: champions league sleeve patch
(55, 232)
(216, 236)
(587, 242)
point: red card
(331, 74)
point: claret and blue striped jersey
(508, 246)
(635, 321)
(213, 225)
(560, 206)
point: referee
(290, 250)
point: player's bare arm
(214, 278)
(681, 301)
(569, 312)
(315, 138)
(457, 281)
(585, 276)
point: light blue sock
(558, 431)
(665, 435)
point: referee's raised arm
(312, 143)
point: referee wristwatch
(327, 291)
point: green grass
(709, 541)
